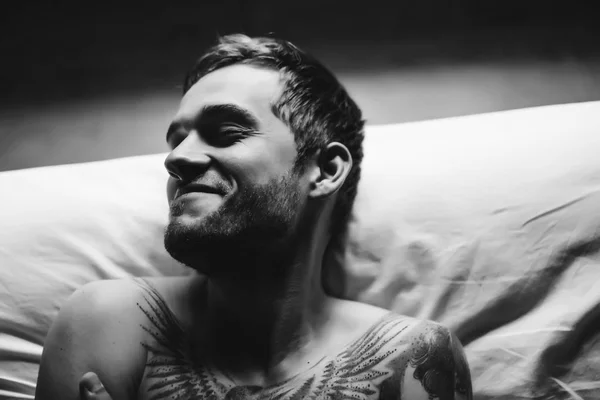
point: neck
(266, 318)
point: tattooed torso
(392, 352)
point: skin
(258, 160)
(252, 323)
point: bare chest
(371, 368)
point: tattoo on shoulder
(372, 367)
(440, 364)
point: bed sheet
(488, 224)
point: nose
(188, 160)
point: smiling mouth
(194, 188)
(194, 193)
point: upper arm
(92, 332)
(437, 367)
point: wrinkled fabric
(62, 227)
(489, 224)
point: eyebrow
(231, 112)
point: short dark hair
(314, 104)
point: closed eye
(228, 133)
(219, 135)
(228, 129)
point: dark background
(82, 82)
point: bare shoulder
(95, 330)
(399, 357)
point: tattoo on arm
(440, 364)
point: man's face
(231, 164)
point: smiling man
(265, 159)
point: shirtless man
(265, 158)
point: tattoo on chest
(372, 367)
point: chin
(194, 237)
(181, 242)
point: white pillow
(64, 226)
(489, 224)
(479, 222)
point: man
(265, 159)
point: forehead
(251, 87)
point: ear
(333, 166)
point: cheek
(262, 164)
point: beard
(259, 219)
